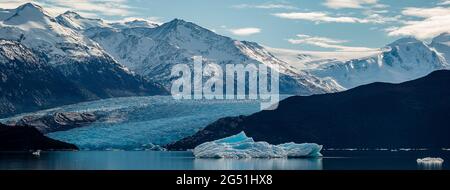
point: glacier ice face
(241, 146)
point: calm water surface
(150, 160)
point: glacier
(240, 146)
(143, 123)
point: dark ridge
(17, 138)
(413, 114)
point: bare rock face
(58, 121)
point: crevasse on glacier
(240, 146)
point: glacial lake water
(155, 160)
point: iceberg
(429, 160)
(240, 146)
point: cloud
(426, 12)
(155, 20)
(353, 4)
(325, 42)
(432, 22)
(265, 6)
(245, 31)
(444, 2)
(320, 17)
(84, 7)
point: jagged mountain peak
(176, 25)
(75, 21)
(29, 12)
(31, 5)
(141, 23)
(71, 14)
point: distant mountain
(403, 60)
(152, 51)
(17, 138)
(442, 45)
(380, 115)
(46, 64)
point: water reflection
(429, 166)
(258, 164)
(148, 160)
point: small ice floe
(241, 146)
(36, 153)
(429, 160)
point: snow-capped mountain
(74, 21)
(74, 58)
(135, 23)
(32, 26)
(152, 51)
(441, 44)
(77, 22)
(305, 60)
(403, 60)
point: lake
(157, 160)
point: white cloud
(155, 20)
(444, 2)
(265, 6)
(426, 12)
(434, 21)
(84, 7)
(245, 31)
(319, 17)
(325, 42)
(354, 4)
(11, 4)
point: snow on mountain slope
(442, 44)
(32, 26)
(303, 60)
(27, 83)
(152, 52)
(403, 60)
(135, 23)
(74, 21)
(74, 58)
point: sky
(319, 25)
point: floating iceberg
(429, 160)
(241, 146)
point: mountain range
(95, 59)
(413, 114)
(403, 60)
(151, 50)
(45, 64)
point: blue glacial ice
(240, 146)
(144, 123)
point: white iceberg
(241, 146)
(428, 160)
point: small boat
(37, 153)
